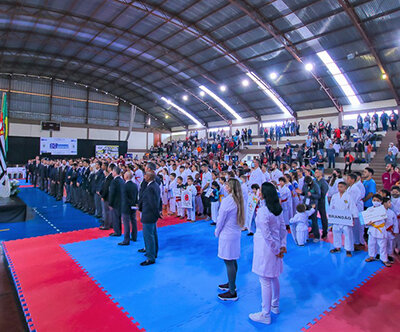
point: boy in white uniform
(392, 227)
(299, 224)
(377, 235)
(395, 194)
(286, 199)
(171, 188)
(191, 213)
(356, 196)
(343, 201)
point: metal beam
(283, 40)
(358, 25)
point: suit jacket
(92, 184)
(116, 193)
(105, 189)
(99, 180)
(150, 204)
(129, 197)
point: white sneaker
(275, 310)
(316, 240)
(260, 317)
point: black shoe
(324, 236)
(133, 240)
(378, 257)
(348, 254)
(213, 223)
(142, 250)
(224, 287)
(123, 244)
(250, 234)
(335, 250)
(228, 296)
(114, 234)
(391, 259)
(147, 262)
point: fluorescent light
(180, 109)
(245, 82)
(269, 93)
(339, 77)
(219, 100)
(309, 66)
(185, 97)
(273, 76)
(222, 88)
(202, 93)
(384, 76)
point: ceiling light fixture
(202, 93)
(220, 101)
(222, 88)
(273, 76)
(339, 77)
(185, 98)
(309, 66)
(245, 83)
(269, 93)
(384, 76)
(180, 109)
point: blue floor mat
(179, 293)
(50, 217)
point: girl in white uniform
(392, 228)
(377, 235)
(396, 208)
(299, 224)
(164, 195)
(268, 253)
(171, 197)
(191, 213)
(342, 200)
(228, 230)
(286, 199)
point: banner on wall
(104, 151)
(59, 146)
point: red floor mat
(375, 306)
(55, 293)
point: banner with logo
(59, 146)
(104, 151)
(186, 199)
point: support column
(51, 101)
(87, 107)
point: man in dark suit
(68, 181)
(149, 205)
(98, 184)
(129, 208)
(105, 194)
(115, 200)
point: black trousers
(130, 226)
(324, 219)
(206, 204)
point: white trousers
(337, 231)
(381, 243)
(358, 232)
(172, 204)
(299, 236)
(390, 246)
(191, 213)
(269, 293)
(181, 211)
(198, 204)
(214, 211)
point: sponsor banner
(59, 146)
(104, 151)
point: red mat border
(56, 241)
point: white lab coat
(299, 226)
(267, 244)
(228, 231)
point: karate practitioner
(377, 235)
(256, 175)
(392, 228)
(343, 201)
(357, 197)
(299, 224)
(228, 230)
(286, 199)
(268, 253)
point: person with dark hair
(115, 200)
(105, 197)
(377, 235)
(342, 201)
(392, 228)
(324, 188)
(128, 209)
(149, 205)
(312, 193)
(206, 180)
(390, 177)
(99, 179)
(369, 185)
(215, 204)
(268, 252)
(299, 224)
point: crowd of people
(261, 199)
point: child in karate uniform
(392, 228)
(395, 194)
(223, 192)
(198, 201)
(251, 220)
(342, 201)
(171, 197)
(191, 213)
(181, 187)
(286, 199)
(299, 224)
(377, 235)
(164, 193)
(214, 198)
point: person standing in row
(268, 253)
(115, 200)
(128, 209)
(99, 179)
(228, 231)
(105, 196)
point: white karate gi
(228, 231)
(357, 196)
(267, 177)
(344, 202)
(275, 175)
(164, 192)
(377, 236)
(391, 223)
(267, 244)
(172, 199)
(256, 176)
(138, 177)
(191, 213)
(396, 209)
(299, 226)
(286, 202)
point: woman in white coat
(268, 252)
(228, 230)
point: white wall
(71, 132)
(105, 134)
(137, 140)
(27, 130)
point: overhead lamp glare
(384, 76)
(309, 66)
(273, 76)
(222, 88)
(245, 83)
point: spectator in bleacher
(348, 160)
(375, 120)
(347, 133)
(384, 121)
(358, 149)
(390, 158)
(346, 146)
(328, 129)
(393, 117)
(390, 177)
(321, 127)
(331, 154)
(393, 148)
(368, 150)
(359, 124)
